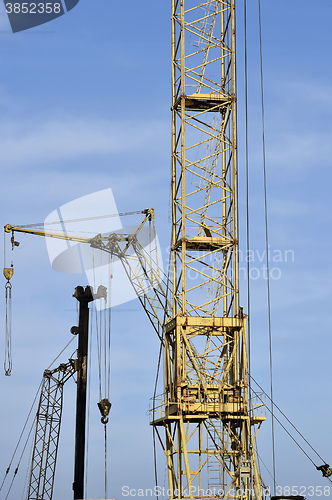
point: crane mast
(208, 419)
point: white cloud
(289, 208)
(35, 143)
(296, 150)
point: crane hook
(104, 407)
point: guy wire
(31, 408)
(267, 241)
(247, 186)
(157, 376)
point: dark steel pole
(84, 296)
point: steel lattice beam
(47, 432)
(205, 409)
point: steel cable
(8, 336)
(105, 427)
(283, 414)
(157, 376)
(28, 417)
(80, 220)
(21, 456)
(267, 240)
(86, 469)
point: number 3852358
(33, 8)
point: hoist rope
(8, 364)
(105, 427)
(8, 335)
(97, 330)
(86, 469)
(107, 334)
(103, 337)
(105, 349)
(267, 240)
(110, 272)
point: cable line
(20, 459)
(27, 473)
(123, 214)
(28, 417)
(267, 241)
(105, 427)
(88, 408)
(287, 432)
(157, 376)
(247, 182)
(8, 273)
(283, 414)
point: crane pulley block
(8, 272)
(104, 407)
(325, 470)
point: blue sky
(84, 105)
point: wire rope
(8, 364)
(28, 417)
(259, 466)
(123, 214)
(86, 469)
(288, 420)
(105, 428)
(287, 432)
(157, 376)
(28, 469)
(20, 459)
(247, 190)
(108, 355)
(110, 262)
(267, 240)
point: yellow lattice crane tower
(209, 419)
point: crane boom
(141, 267)
(47, 431)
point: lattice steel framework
(205, 410)
(47, 432)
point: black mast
(84, 296)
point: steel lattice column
(205, 410)
(47, 432)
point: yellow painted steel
(210, 423)
(140, 264)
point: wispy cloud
(70, 137)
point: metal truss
(47, 432)
(209, 421)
